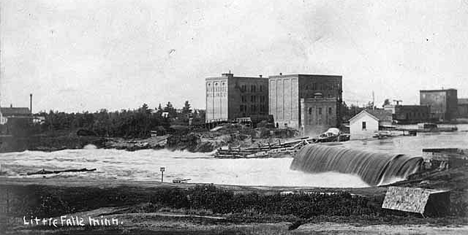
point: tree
(386, 102)
(186, 109)
(170, 109)
(144, 109)
(370, 105)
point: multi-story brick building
(310, 103)
(229, 98)
(318, 114)
(411, 114)
(443, 103)
(463, 108)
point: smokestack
(30, 103)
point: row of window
(322, 86)
(253, 108)
(414, 115)
(216, 89)
(254, 99)
(253, 88)
(216, 94)
(319, 111)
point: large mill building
(309, 103)
(229, 98)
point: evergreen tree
(186, 109)
(170, 109)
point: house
(367, 122)
(14, 113)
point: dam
(374, 168)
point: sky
(87, 55)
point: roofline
(301, 74)
(377, 119)
(276, 76)
(221, 77)
(411, 105)
(450, 89)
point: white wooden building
(366, 123)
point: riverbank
(148, 207)
(234, 135)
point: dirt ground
(172, 223)
(176, 221)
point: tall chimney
(30, 103)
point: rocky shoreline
(195, 141)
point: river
(204, 168)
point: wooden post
(162, 169)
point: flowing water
(145, 165)
(372, 167)
(204, 168)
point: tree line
(137, 123)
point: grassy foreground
(147, 207)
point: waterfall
(373, 168)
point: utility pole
(373, 100)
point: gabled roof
(14, 111)
(377, 114)
(381, 115)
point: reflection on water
(203, 168)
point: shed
(367, 122)
(429, 202)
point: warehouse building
(463, 108)
(411, 114)
(310, 103)
(231, 98)
(443, 103)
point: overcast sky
(118, 54)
